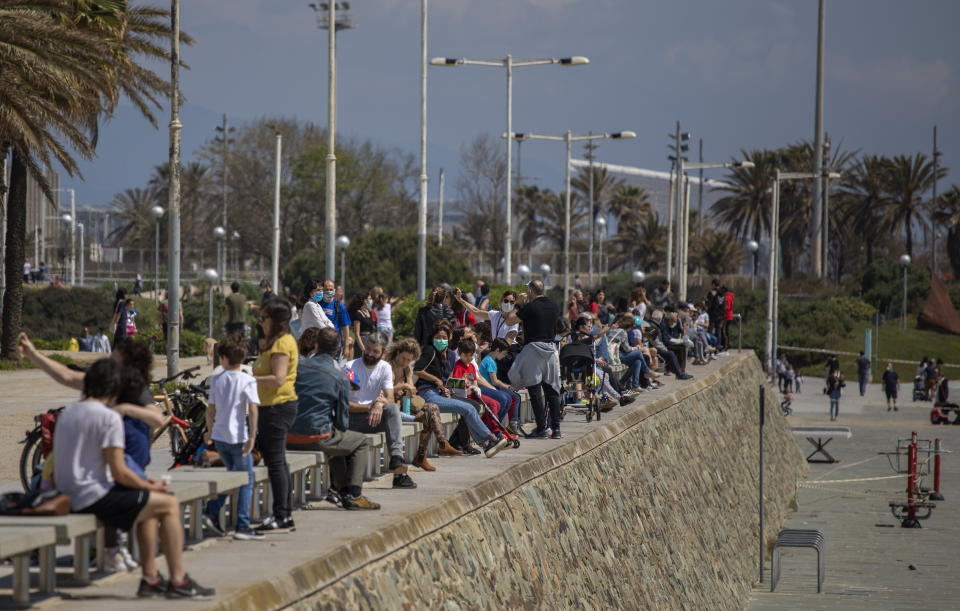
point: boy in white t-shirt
(232, 429)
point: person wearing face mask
(372, 406)
(362, 318)
(313, 315)
(499, 327)
(335, 310)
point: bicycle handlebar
(162, 382)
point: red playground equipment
(918, 506)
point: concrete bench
(377, 443)
(190, 495)
(411, 439)
(18, 543)
(819, 437)
(78, 529)
(812, 539)
(316, 475)
(218, 481)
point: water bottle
(405, 402)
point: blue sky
(739, 74)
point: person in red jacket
(727, 316)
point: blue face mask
(317, 297)
(440, 344)
(638, 321)
(557, 338)
(133, 312)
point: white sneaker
(115, 563)
(128, 558)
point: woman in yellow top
(276, 372)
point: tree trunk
(13, 264)
(953, 248)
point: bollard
(936, 495)
(911, 520)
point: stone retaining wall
(657, 509)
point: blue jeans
(634, 359)
(233, 459)
(448, 405)
(501, 397)
(834, 407)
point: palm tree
(908, 178)
(946, 211)
(746, 211)
(629, 201)
(133, 209)
(863, 199)
(641, 241)
(719, 252)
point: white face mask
(506, 307)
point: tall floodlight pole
(173, 201)
(224, 139)
(275, 255)
(816, 229)
(905, 263)
(80, 227)
(332, 24)
(422, 210)
(440, 210)
(568, 139)
(509, 63)
(933, 222)
(73, 232)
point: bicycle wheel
(31, 459)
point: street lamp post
(80, 227)
(568, 138)
(342, 243)
(754, 249)
(638, 277)
(211, 276)
(173, 201)
(73, 237)
(157, 213)
(219, 233)
(601, 224)
(332, 24)
(236, 253)
(905, 263)
(545, 271)
(509, 63)
(683, 209)
(275, 255)
(524, 272)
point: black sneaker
(684, 376)
(470, 449)
(626, 401)
(274, 526)
(189, 589)
(538, 434)
(248, 534)
(556, 434)
(158, 589)
(402, 480)
(396, 465)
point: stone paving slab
(868, 555)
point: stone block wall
(657, 509)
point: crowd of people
(328, 372)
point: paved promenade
(871, 563)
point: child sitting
(488, 370)
(232, 428)
(496, 402)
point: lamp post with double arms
(157, 213)
(509, 63)
(568, 138)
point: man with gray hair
(537, 367)
(372, 408)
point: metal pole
(73, 238)
(80, 226)
(210, 312)
(826, 209)
(680, 229)
(508, 247)
(700, 216)
(275, 255)
(671, 206)
(566, 231)
(422, 211)
(224, 176)
(590, 248)
(331, 217)
(771, 279)
(933, 223)
(43, 230)
(760, 495)
(817, 228)
(156, 264)
(440, 211)
(173, 205)
(903, 316)
(753, 280)
(684, 235)
(343, 271)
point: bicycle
(186, 422)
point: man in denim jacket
(323, 416)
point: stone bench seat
(79, 530)
(18, 542)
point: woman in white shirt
(383, 306)
(312, 314)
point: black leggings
(274, 422)
(536, 401)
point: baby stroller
(580, 386)
(920, 389)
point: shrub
(855, 308)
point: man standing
(727, 315)
(661, 295)
(236, 306)
(335, 311)
(26, 271)
(716, 305)
(863, 372)
(537, 367)
(372, 409)
(891, 385)
(85, 341)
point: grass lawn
(910, 344)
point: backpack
(38, 503)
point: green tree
(719, 252)
(908, 178)
(862, 200)
(132, 208)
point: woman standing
(383, 308)
(835, 385)
(276, 372)
(361, 317)
(313, 314)
(600, 308)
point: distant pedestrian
(891, 386)
(863, 372)
(835, 386)
(138, 285)
(26, 271)
(797, 381)
(85, 341)
(101, 343)
(791, 378)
